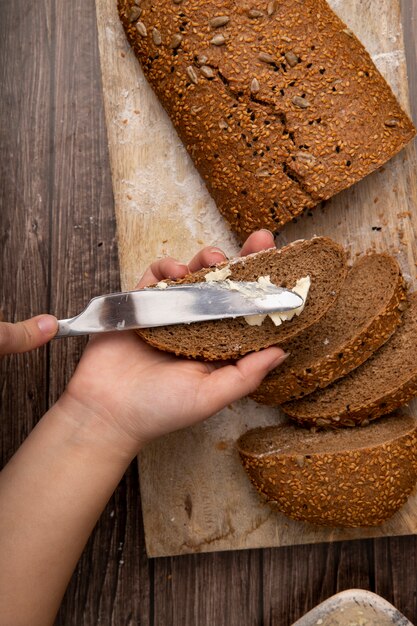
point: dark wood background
(57, 249)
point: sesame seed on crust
(340, 478)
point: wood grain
(24, 209)
(271, 587)
(58, 248)
(188, 505)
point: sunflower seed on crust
(141, 28)
(192, 75)
(134, 14)
(262, 172)
(271, 8)
(254, 13)
(218, 40)
(156, 36)
(206, 71)
(175, 41)
(255, 86)
(201, 60)
(291, 58)
(266, 58)
(300, 102)
(306, 157)
(391, 123)
(219, 20)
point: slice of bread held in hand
(320, 258)
(386, 381)
(278, 103)
(365, 315)
(346, 477)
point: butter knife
(178, 304)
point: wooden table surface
(58, 249)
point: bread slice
(345, 477)
(320, 258)
(279, 105)
(386, 381)
(365, 315)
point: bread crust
(398, 389)
(280, 108)
(351, 488)
(290, 382)
(320, 257)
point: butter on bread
(320, 258)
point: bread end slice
(346, 478)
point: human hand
(123, 394)
(27, 335)
(141, 393)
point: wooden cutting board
(195, 495)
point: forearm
(51, 495)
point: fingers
(28, 335)
(170, 268)
(207, 257)
(162, 269)
(257, 241)
(232, 382)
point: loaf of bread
(278, 104)
(320, 258)
(346, 477)
(386, 381)
(364, 316)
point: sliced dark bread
(365, 315)
(386, 381)
(346, 477)
(320, 258)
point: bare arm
(122, 395)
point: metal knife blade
(178, 304)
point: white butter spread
(301, 287)
(218, 275)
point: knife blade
(178, 304)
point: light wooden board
(195, 495)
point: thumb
(232, 382)
(27, 335)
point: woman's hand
(141, 393)
(28, 335)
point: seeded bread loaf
(346, 477)
(278, 104)
(364, 316)
(386, 381)
(320, 258)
